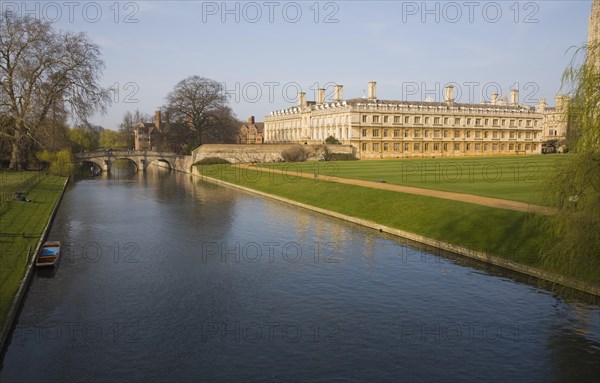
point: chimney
(514, 97)
(302, 99)
(251, 120)
(495, 98)
(449, 93)
(320, 96)
(338, 93)
(372, 90)
(560, 101)
(541, 106)
(157, 119)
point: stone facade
(236, 154)
(150, 135)
(398, 129)
(250, 133)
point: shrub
(61, 163)
(331, 140)
(294, 154)
(341, 157)
(212, 161)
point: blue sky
(264, 51)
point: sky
(265, 52)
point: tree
(574, 238)
(200, 105)
(83, 139)
(126, 127)
(43, 70)
(109, 139)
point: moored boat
(49, 255)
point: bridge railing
(123, 152)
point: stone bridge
(142, 158)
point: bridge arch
(138, 165)
(161, 162)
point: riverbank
(23, 228)
(463, 228)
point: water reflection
(165, 278)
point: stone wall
(264, 153)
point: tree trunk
(16, 157)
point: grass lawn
(517, 178)
(512, 235)
(21, 226)
(10, 179)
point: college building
(398, 129)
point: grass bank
(517, 178)
(512, 235)
(21, 226)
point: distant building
(397, 129)
(151, 135)
(251, 132)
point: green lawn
(21, 226)
(517, 178)
(509, 234)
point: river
(165, 278)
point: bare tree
(42, 70)
(130, 119)
(197, 102)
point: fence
(7, 195)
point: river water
(164, 278)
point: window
(445, 147)
(511, 147)
(405, 132)
(436, 120)
(468, 134)
(478, 121)
(396, 119)
(426, 133)
(477, 134)
(520, 135)
(485, 134)
(417, 146)
(520, 122)
(364, 132)
(512, 135)
(468, 121)
(512, 123)
(436, 147)
(446, 120)
(364, 118)
(520, 147)
(436, 134)
(364, 146)
(503, 122)
(494, 147)
(406, 119)
(486, 121)
(456, 146)
(375, 147)
(417, 120)
(485, 147)
(385, 119)
(375, 119)
(477, 146)
(527, 147)
(396, 147)
(501, 146)
(468, 146)
(417, 133)
(426, 120)
(385, 132)
(457, 121)
(528, 135)
(385, 147)
(426, 147)
(457, 134)
(445, 134)
(397, 133)
(495, 135)
(375, 132)
(495, 122)
(406, 147)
